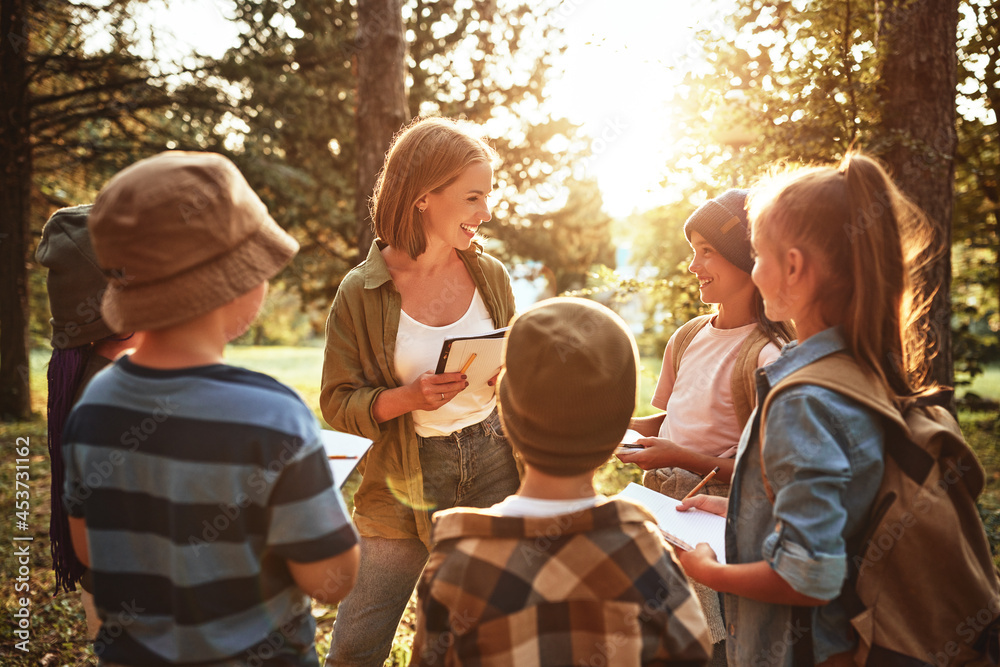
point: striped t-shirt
(196, 486)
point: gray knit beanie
(723, 223)
(75, 282)
(569, 385)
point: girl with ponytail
(838, 250)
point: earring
(420, 210)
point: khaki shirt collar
(376, 271)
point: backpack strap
(743, 383)
(840, 373)
(684, 336)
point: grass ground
(57, 624)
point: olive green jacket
(358, 364)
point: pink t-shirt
(699, 401)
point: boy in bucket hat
(557, 574)
(198, 493)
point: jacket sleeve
(817, 444)
(508, 296)
(347, 393)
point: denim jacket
(824, 460)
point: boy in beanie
(556, 574)
(199, 494)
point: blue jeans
(472, 467)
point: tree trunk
(917, 47)
(382, 104)
(15, 211)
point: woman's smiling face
(453, 215)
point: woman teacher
(437, 442)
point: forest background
(308, 95)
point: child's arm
(756, 581)
(663, 453)
(805, 456)
(328, 580)
(647, 426)
(78, 535)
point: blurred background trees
(805, 81)
(283, 104)
(85, 91)
(80, 98)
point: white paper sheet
(683, 529)
(346, 451)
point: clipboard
(344, 452)
(488, 348)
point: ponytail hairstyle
(869, 244)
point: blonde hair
(426, 156)
(870, 244)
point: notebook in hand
(628, 442)
(682, 529)
(457, 351)
(344, 452)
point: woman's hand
(714, 504)
(656, 453)
(432, 390)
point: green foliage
(976, 277)
(796, 81)
(281, 321)
(665, 290)
(487, 60)
(289, 122)
(281, 104)
(568, 240)
(97, 103)
(788, 80)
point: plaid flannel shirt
(596, 587)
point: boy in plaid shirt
(556, 574)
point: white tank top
(418, 347)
